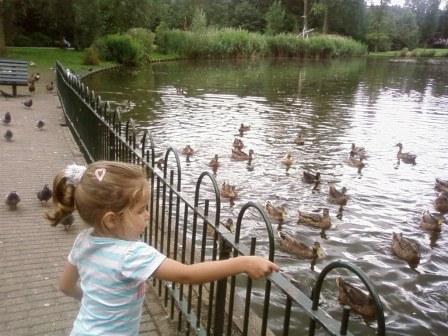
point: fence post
(221, 289)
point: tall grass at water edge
(228, 42)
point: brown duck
(405, 157)
(336, 196)
(406, 249)
(276, 213)
(441, 203)
(441, 185)
(316, 220)
(432, 221)
(300, 249)
(309, 177)
(360, 302)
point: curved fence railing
(191, 231)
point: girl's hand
(258, 267)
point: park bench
(14, 73)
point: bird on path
(31, 87)
(40, 124)
(12, 199)
(6, 94)
(49, 87)
(8, 135)
(28, 103)
(45, 194)
(7, 118)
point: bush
(33, 40)
(91, 57)
(403, 52)
(144, 37)
(120, 48)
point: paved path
(32, 253)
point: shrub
(120, 48)
(144, 37)
(403, 52)
(91, 57)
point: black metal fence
(191, 231)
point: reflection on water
(373, 103)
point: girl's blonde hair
(121, 187)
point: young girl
(108, 259)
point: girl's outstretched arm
(255, 267)
(68, 282)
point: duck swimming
(354, 162)
(228, 191)
(406, 249)
(188, 151)
(359, 151)
(309, 177)
(432, 221)
(238, 144)
(300, 249)
(276, 213)
(239, 155)
(360, 302)
(214, 163)
(244, 128)
(287, 160)
(299, 140)
(336, 196)
(405, 157)
(441, 185)
(441, 203)
(316, 220)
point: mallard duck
(276, 213)
(239, 155)
(244, 128)
(49, 87)
(441, 203)
(405, 157)
(354, 162)
(406, 249)
(336, 196)
(359, 151)
(299, 140)
(250, 165)
(310, 177)
(31, 87)
(214, 163)
(228, 191)
(441, 185)
(238, 144)
(188, 151)
(316, 220)
(287, 160)
(432, 221)
(359, 302)
(301, 250)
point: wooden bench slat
(7, 60)
(13, 78)
(13, 72)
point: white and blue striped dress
(112, 278)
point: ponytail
(63, 199)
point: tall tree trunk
(305, 16)
(325, 25)
(2, 31)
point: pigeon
(5, 94)
(8, 135)
(7, 118)
(40, 124)
(45, 194)
(12, 199)
(32, 87)
(67, 221)
(28, 103)
(49, 87)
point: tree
(247, 16)
(377, 36)
(427, 14)
(2, 31)
(276, 19)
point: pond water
(374, 103)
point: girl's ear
(110, 220)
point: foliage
(91, 57)
(378, 41)
(120, 48)
(248, 17)
(276, 19)
(144, 37)
(199, 22)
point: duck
(336, 196)
(406, 249)
(276, 213)
(239, 155)
(359, 151)
(432, 221)
(299, 140)
(359, 302)
(238, 144)
(12, 199)
(228, 191)
(8, 135)
(31, 87)
(287, 160)
(28, 103)
(49, 87)
(244, 128)
(250, 165)
(228, 224)
(40, 124)
(187, 150)
(309, 177)
(45, 194)
(441, 203)
(300, 249)
(214, 163)
(441, 185)
(405, 157)
(316, 220)
(354, 162)
(66, 221)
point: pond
(374, 103)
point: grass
(418, 52)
